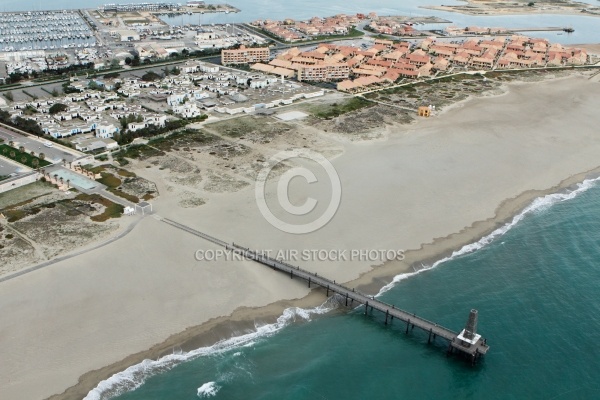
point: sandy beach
(429, 188)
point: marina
(44, 30)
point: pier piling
(467, 342)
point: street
(53, 154)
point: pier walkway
(466, 342)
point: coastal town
(124, 100)
(112, 90)
(133, 136)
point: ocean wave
(537, 205)
(135, 376)
(209, 389)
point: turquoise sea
(535, 283)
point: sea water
(534, 282)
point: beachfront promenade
(466, 342)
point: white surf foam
(134, 376)
(209, 389)
(539, 204)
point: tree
(28, 125)
(185, 52)
(54, 92)
(136, 61)
(4, 116)
(13, 154)
(9, 96)
(4, 150)
(128, 61)
(111, 75)
(95, 86)
(23, 159)
(58, 107)
(150, 76)
(29, 110)
(35, 162)
(32, 153)
(42, 156)
(11, 143)
(531, 4)
(21, 149)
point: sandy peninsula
(521, 7)
(428, 188)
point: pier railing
(473, 349)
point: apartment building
(323, 72)
(245, 55)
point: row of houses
(385, 62)
(329, 62)
(93, 114)
(291, 30)
(205, 86)
(512, 52)
(474, 30)
(229, 91)
(390, 26)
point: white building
(106, 130)
(176, 98)
(188, 110)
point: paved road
(53, 154)
(10, 167)
(44, 264)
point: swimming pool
(75, 179)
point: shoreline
(245, 319)
(491, 12)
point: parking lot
(7, 168)
(53, 154)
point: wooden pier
(467, 342)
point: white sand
(428, 181)
(291, 115)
